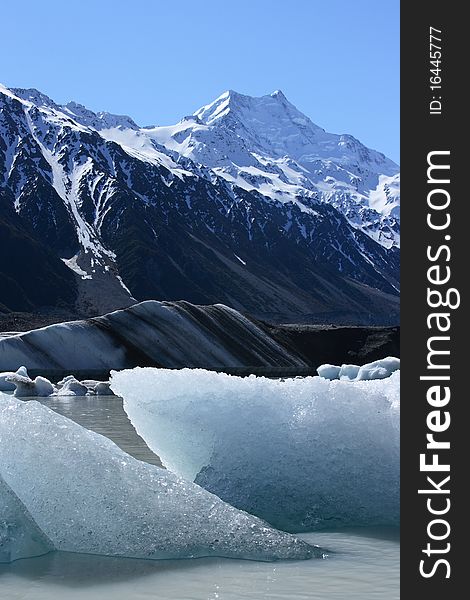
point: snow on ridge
(72, 264)
(263, 144)
(242, 139)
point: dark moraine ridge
(180, 334)
(319, 344)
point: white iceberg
(25, 386)
(300, 453)
(5, 384)
(72, 387)
(379, 369)
(328, 371)
(87, 495)
(20, 537)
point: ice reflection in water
(364, 565)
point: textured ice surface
(20, 537)
(24, 386)
(88, 496)
(5, 384)
(172, 334)
(43, 386)
(72, 387)
(379, 369)
(301, 453)
(329, 371)
(102, 388)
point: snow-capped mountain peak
(100, 120)
(266, 144)
(248, 184)
(34, 96)
(262, 144)
(255, 114)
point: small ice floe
(71, 387)
(24, 386)
(9, 386)
(379, 369)
(102, 388)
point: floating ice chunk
(88, 496)
(9, 386)
(5, 385)
(24, 386)
(103, 388)
(300, 453)
(63, 381)
(329, 371)
(72, 387)
(43, 386)
(348, 372)
(98, 388)
(20, 537)
(379, 369)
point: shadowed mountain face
(212, 210)
(32, 275)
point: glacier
(81, 493)
(171, 334)
(303, 453)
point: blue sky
(158, 60)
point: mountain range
(246, 202)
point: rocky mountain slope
(246, 202)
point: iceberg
(25, 386)
(303, 453)
(379, 369)
(6, 385)
(20, 537)
(71, 387)
(102, 388)
(86, 495)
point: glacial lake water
(363, 564)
